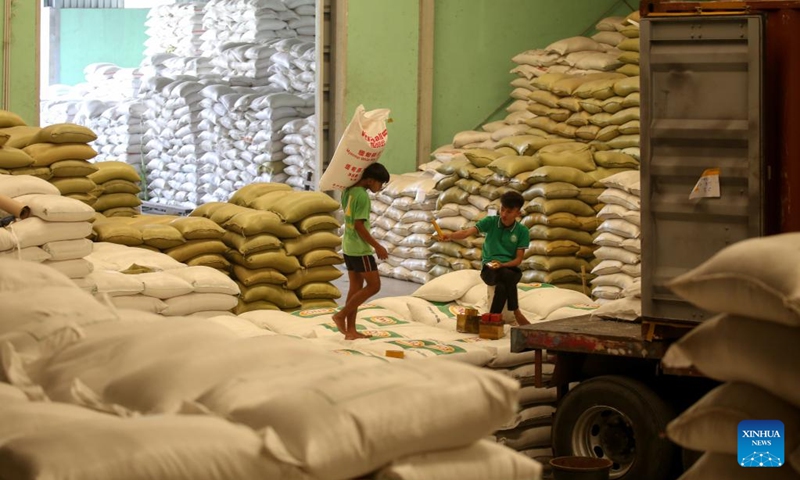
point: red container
(492, 318)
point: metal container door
(701, 109)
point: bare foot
(339, 319)
(354, 335)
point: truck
(718, 91)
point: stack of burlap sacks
(116, 189)
(190, 240)
(751, 347)
(282, 245)
(401, 220)
(560, 181)
(54, 233)
(61, 154)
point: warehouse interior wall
(382, 55)
(473, 43)
(19, 59)
(117, 36)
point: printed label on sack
(527, 287)
(761, 443)
(429, 345)
(707, 186)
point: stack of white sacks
(245, 64)
(619, 271)
(174, 28)
(247, 21)
(751, 347)
(119, 130)
(172, 119)
(293, 67)
(401, 220)
(163, 372)
(164, 286)
(54, 234)
(87, 103)
(242, 138)
(171, 65)
(299, 146)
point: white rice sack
(138, 302)
(366, 132)
(730, 348)
(711, 424)
(56, 320)
(199, 302)
(55, 208)
(34, 231)
(77, 268)
(539, 300)
(207, 280)
(618, 197)
(484, 459)
(16, 275)
(30, 254)
(449, 287)
(433, 415)
(757, 278)
(629, 308)
(163, 285)
(68, 249)
(619, 254)
(18, 185)
(180, 447)
(573, 44)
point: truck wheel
(620, 419)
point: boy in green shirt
(358, 245)
(503, 251)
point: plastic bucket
(580, 468)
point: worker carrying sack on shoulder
(362, 144)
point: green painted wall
(382, 47)
(23, 87)
(473, 45)
(116, 36)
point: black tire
(620, 419)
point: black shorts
(365, 263)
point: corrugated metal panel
(88, 3)
(701, 108)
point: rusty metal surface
(587, 335)
(650, 7)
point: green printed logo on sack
(474, 340)
(382, 321)
(318, 312)
(527, 287)
(380, 334)
(314, 312)
(449, 309)
(430, 345)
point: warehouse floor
(390, 287)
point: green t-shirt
(356, 205)
(502, 242)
